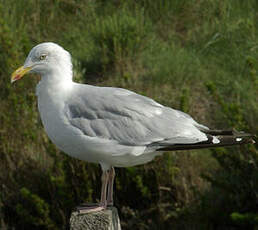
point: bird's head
(45, 59)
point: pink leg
(104, 179)
(110, 186)
(103, 199)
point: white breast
(51, 106)
(51, 103)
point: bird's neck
(55, 82)
(58, 74)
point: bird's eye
(42, 57)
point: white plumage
(110, 126)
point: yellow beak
(19, 73)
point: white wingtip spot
(215, 140)
(238, 139)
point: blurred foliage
(120, 37)
(198, 56)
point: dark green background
(199, 56)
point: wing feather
(129, 118)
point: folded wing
(129, 119)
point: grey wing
(128, 118)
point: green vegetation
(199, 56)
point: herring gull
(111, 126)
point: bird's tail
(216, 138)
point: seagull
(113, 127)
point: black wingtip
(224, 139)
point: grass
(198, 56)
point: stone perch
(103, 220)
